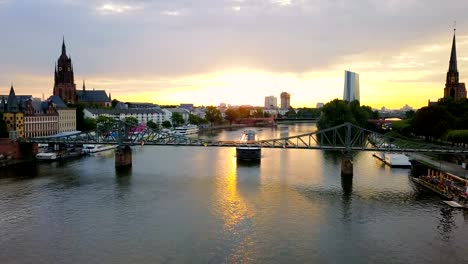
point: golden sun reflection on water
(235, 212)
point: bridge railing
(346, 137)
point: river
(199, 205)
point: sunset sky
(236, 51)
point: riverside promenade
(440, 165)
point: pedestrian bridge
(346, 137)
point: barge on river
(447, 185)
(247, 149)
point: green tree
(177, 119)
(403, 127)
(80, 123)
(291, 113)
(151, 124)
(308, 112)
(360, 114)
(335, 113)
(88, 124)
(409, 114)
(131, 120)
(166, 124)
(114, 102)
(259, 112)
(231, 115)
(104, 124)
(213, 115)
(196, 120)
(432, 122)
(3, 127)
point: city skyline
(173, 52)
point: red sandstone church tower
(64, 85)
(453, 88)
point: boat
(186, 130)
(93, 148)
(246, 149)
(449, 186)
(59, 155)
(393, 160)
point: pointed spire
(64, 49)
(84, 86)
(12, 102)
(453, 55)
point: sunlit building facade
(271, 102)
(285, 100)
(351, 86)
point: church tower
(64, 85)
(453, 88)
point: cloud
(170, 13)
(282, 2)
(138, 38)
(117, 8)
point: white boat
(93, 148)
(397, 160)
(247, 149)
(393, 159)
(58, 155)
(186, 130)
(47, 156)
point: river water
(199, 205)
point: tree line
(445, 120)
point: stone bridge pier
(346, 164)
(123, 157)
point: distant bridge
(296, 120)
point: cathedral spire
(64, 49)
(12, 102)
(453, 55)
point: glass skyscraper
(351, 86)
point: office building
(351, 86)
(271, 102)
(285, 100)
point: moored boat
(247, 149)
(393, 160)
(58, 155)
(186, 130)
(93, 148)
(447, 185)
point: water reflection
(21, 171)
(123, 172)
(446, 223)
(249, 163)
(123, 181)
(346, 197)
(236, 214)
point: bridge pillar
(123, 157)
(346, 165)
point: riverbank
(233, 126)
(440, 165)
(11, 162)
